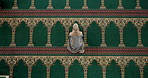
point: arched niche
(6, 4)
(76, 4)
(111, 4)
(93, 4)
(143, 4)
(58, 4)
(5, 34)
(132, 70)
(94, 70)
(57, 70)
(38, 70)
(112, 36)
(144, 35)
(20, 70)
(41, 4)
(76, 70)
(40, 35)
(146, 71)
(57, 35)
(129, 4)
(22, 35)
(23, 4)
(94, 35)
(4, 68)
(130, 35)
(113, 71)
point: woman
(75, 43)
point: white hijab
(75, 31)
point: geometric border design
(63, 50)
(96, 13)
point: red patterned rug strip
(137, 13)
(63, 50)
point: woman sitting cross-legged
(75, 43)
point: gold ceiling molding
(85, 61)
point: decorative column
(85, 5)
(120, 5)
(13, 23)
(11, 61)
(85, 37)
(139, 25)
(30, 61)
(141, 72)
(66, 62)
(15, 5)
(122, 62)
(50, 4)
(67, 5)
(48, 23)
(29, 71)
(85, 23)
(121, 38)
(32, 5)
(102, 5)
(66, 23)
(103, 44)
(85, 62)
(141, 62)
(104, 61)
(121, 24)
(31, 38)
(139, 38)
(67, 35)
(48, 40)
(122, 72)
(48, 62)
(31, 24)
(13, 38)
(103, 25)
(138, 4)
